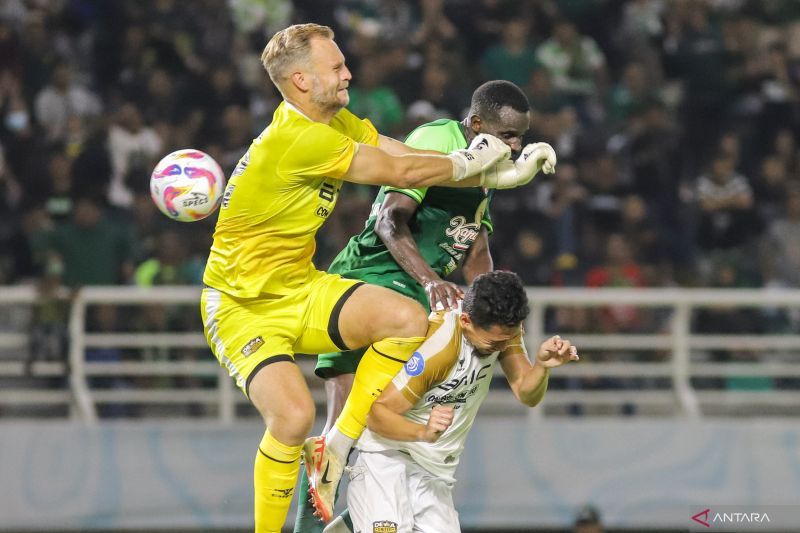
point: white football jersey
(445, 370)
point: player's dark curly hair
(496, 298)
(492, 96)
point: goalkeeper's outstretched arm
(411, 168)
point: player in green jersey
(414, 238)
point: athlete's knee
(292, 423)
(409, 320)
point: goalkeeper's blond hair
(290, 46)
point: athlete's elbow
(531, 399)
(373, 423)
(386, 223)
(531, 402)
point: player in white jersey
(404, 476)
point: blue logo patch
(415, 365)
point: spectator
(769, 188)
(632, 93)
(780, 252)
(514, 59)
(234, 137)
(620, 269)
(438, 90)
(638, 229)
(62, 99)
(171, 264)
(726, 200)
(694, 53)
(533, 257)
(575, 62)
(435, 25)
(133, 148)
(59, 191)
(561, 199)
(16, 125)
(371, 98)
(91, 249)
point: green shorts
(330, 365)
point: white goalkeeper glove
(484, 151)
(507, 175)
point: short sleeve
(426, 138)
(415, 194)
(319, 152)
(431, 363)
(486, 220)
(360, 130)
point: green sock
(346, 517)
(306, 522)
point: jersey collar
(293, 108)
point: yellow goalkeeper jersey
(281, 192)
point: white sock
(338, 442)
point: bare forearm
(479, 260)
(400, 243)
(391, 425)
(396, 148)
(427, 170)
(533, 385)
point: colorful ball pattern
(187, 185)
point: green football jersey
(446, 223)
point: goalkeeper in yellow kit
(264, 300)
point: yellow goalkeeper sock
(380, 363)
(274, 477)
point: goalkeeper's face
(330, 77)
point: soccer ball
(187, 185)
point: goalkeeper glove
(484, 151)
(507, 175)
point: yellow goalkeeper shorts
(247, 334)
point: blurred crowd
(675, 123)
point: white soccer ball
(187, 185)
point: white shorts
(390, 493)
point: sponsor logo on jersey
(477, 374)
(384, 526)
(322, 212)
(242, 164)
(252, 347)
(462, 232)
(455, 400)
(226, 198)
(415, 365)
(451, 265)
